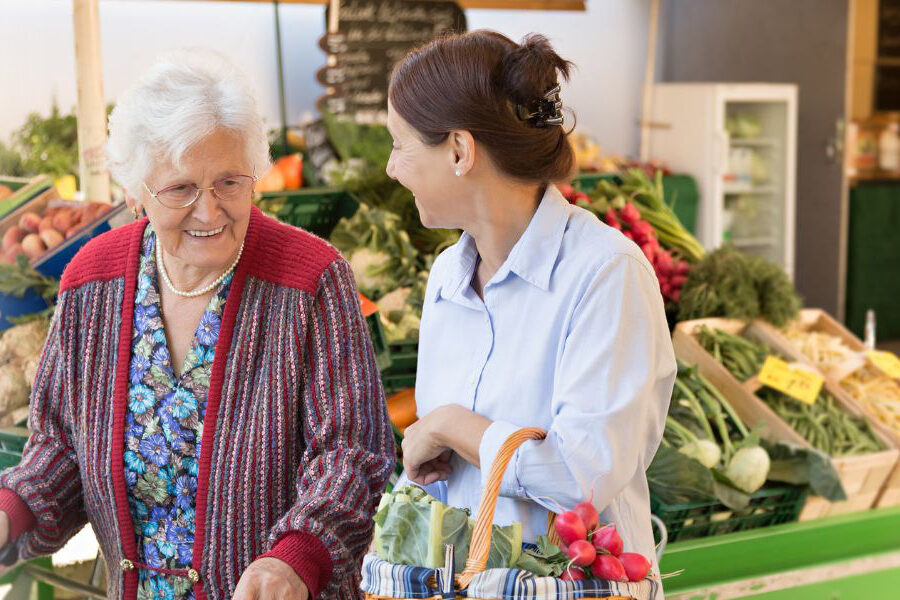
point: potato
(33, 246)
(30, 222)
(62, 221)
(13, 235)
(45, 224)
(52, 238)
(72, 231)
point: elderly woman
(208, 398)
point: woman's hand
(270, 579)
(429, 443)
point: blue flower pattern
(164, 424)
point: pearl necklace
(204, 289)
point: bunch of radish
(672, 274)
(595, 549)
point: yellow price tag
(888, 362)
(66, 187)
(797, 383)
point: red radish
(573, 575)
(582, 553)
(588, 515)
(678, 280)
(570, 527)
(629, 235)
(636, 566)
(630, 214)
(675, 296)
(579, 197)
(607, 538)
(611, 219)
(642, 229)
(682, 268)
(664, 261)
(566, 190)
(609, 567)
(648, 251)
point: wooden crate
(819, 320)
(862, 476)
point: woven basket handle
(480, 548)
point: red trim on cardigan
(103, 258)
(308, 557)
(130, 239)
(21, 519)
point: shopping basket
(385, 581)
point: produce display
(867, 385)
(625, 216)
(20, 351)
(285, 174)
(38, 232)
(728, 283)
(824, 424)
(703, 425)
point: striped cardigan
(296, 446)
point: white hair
(185, 96)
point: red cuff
(21, 519)
(308, 557)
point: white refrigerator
(739, 141)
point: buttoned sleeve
(611, 393)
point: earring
(458, 172)
(134, 212)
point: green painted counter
(839, 558)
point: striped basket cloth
(385, 581)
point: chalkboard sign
(372, 36)
(887, 76)
(889, 29)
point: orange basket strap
(480, 548)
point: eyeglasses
(182, 195)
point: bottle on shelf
(889, 148)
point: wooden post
(91, 109)
(649, 82)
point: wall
(607, 43)
(781, 41)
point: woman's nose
(390, 167)
(206, 208)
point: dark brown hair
(473, 81)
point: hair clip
(543, 111)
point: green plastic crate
(379, 342)
(401, 373)
(12, 442)
(316, 210)
(771, 505)
(679, 191)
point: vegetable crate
(862, 476)
(12, 442)
(401, 373)
(771, 505)
(316, 210)
(24, 189)
(817, 320)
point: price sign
(886, 361)
(796, 382)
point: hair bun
(532, 68)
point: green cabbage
(412, 528)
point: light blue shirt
(571, 337)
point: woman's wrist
(461, 430)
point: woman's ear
(462, 147)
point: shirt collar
(532, 258)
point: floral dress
(164, 428)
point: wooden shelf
(577, 5)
